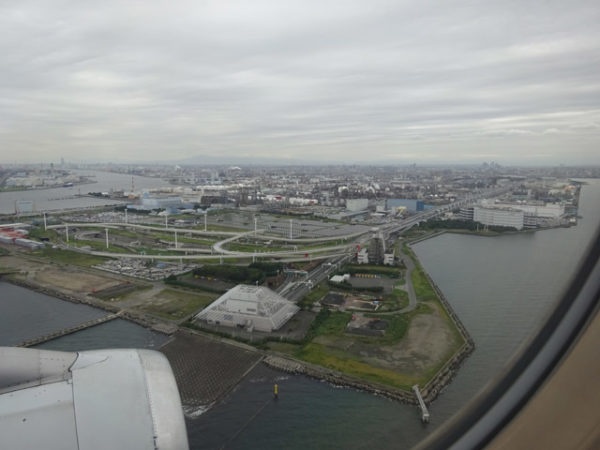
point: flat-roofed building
(499, 217)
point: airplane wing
(101, 399)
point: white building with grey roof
(250, 307)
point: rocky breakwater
(443, 377)
(337, 378)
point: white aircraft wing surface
(102, 399)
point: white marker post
(45, 225)
(106, 231)
(67, 229)
(255, 225)
(175, 238)
(166, 221)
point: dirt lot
(428, 342)
(174, 304)
(74, 280)
(386, 283)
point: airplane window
(341, 224)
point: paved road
(410, 289)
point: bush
(236, 274)
(348, 287)
(456, 224)
(270, 269)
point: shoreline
(144, 321)
(286, 363)
(480, 234)
(45, 188)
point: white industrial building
(499, 217)
(363, 256)
(250, 307)
(357, 204)
(548, 210)
(340, 278)
(389, 259)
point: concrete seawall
(296, 367)
(431, 390)
(140, 319)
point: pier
(65, 331)
(424, 410)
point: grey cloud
(359, 81)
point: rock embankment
(337, 378)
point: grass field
(99, 246)
(175, 304)
(338, 360)
(329, 345)
(395, 300)
(70, 257)
(39, 233)
(316, 294)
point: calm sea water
(59, 198)
(26, 314)
(501, 287)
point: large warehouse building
(501, 217)
(251, 307)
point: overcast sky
(356, 81)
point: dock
(424, 410)
(65, 331)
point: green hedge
(348, 287)
(173, 281)
(236, 274)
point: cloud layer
(323, 81)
